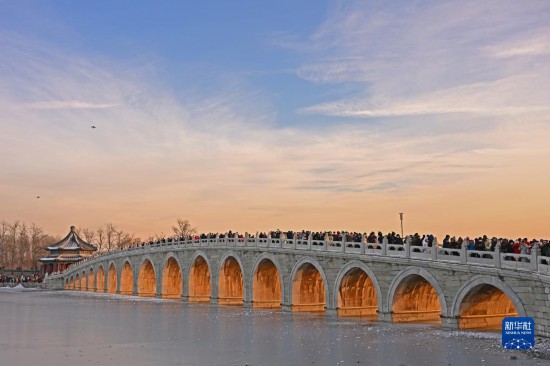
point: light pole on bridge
(401, 218)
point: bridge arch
(71, 283)
(267, 282)
(231, 280)
(126, 278)
(416, 296)
(100, 279)
(308, 286)
(84, 281)
(112, 279)
(361, 295)
(200, 278)
(90, 279)
(484, 301)
(172, 277)
(78, 283)
(147, 284)
(66, 287)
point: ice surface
(78, 328)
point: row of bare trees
(21, 245)
(108, 237)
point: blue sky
(294, 114)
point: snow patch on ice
(18, 288)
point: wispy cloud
(434, 58)
(70, 104)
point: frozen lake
(74, 328)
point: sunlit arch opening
(111, 280)
(84, 282)
(231, 286)
(77, 282)
(266, 286)
(357, 295)
(308, 290)
(416, 300)
(100, 286)
(171, 280)
(127, 280)
(146, 280)
(199, 281)
(90, 280)
(484, 307)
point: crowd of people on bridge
(373, 240)
(424, 243)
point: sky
(248, 115)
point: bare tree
(37, 237)
(4, 244)
(183, 228)
(12, 250)
(22, 245)
(100, 239)
(110, 235)
(89, 235)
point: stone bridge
(392, 283)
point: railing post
(496, 256)
(309, 241)
(434, 250)
(407, 248)
(256, 239)
(464, 253)
(535, 257)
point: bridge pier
(286, 308)
(331, 312)
(214, 300)
(449, 322)
(384, 316)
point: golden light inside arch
(126, 280)
(111, 280)
(308, 290)
(231, 285)
(266, 286)
(91, 281)
(146, 280)
(100, 286)
(199, 281)
(357, 295)
(84, 282)
(484, 307)
(415, 300)
(77, 282)
(171, 280)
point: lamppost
(401, 218)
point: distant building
(70, 250)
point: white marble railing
(525, 262)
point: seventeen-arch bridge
(400, 283)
